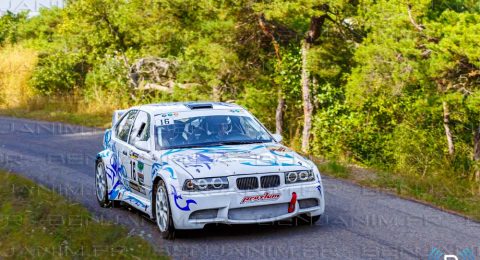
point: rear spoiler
(117, 114)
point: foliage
(381, 69)
(9, 24)
(59, 73)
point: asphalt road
(359, 223)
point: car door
(140, 143)
(122, 133)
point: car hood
(235, 160)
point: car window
(141, 128)
(249, 126)
(207, 130)
(123, 128)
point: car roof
(186, 106)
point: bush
(106, 78)
(417, 151)
(59, 72)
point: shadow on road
(219, 230)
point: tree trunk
(448, 133)
(280, 101)
(307, 102)
(316, 24)
(476, 154)
(279, 113)
(217, 95)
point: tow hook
(293, 201)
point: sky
(32, 5)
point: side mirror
(142, 145)
(277, 138)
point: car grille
(258, 212)
(270, 181)
(247, 183)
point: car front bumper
(247, 207)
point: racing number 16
(164, 121)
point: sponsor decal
(257, 198)
(137, 188)
(465, 254)
(140, 166)
(169, 114)
(141, 178)
(195, 160)
(279, 149)
(134, 156)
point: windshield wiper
(242, 142)
(192, 146)
(215, 144)
(182, 146)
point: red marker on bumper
(293, 201)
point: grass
(334, 169)
(62, 110)
(16, 67)
(18, 99)
(38, 223)
(449, 193)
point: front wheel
(163, 215)
(314, 219)
(305, 219)
(101, 185)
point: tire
(305, 219)
(315, 219)
(101, 187)
(162, 211)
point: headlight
(298, 176)
(205, 184)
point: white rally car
(190, 164)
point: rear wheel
(163, 215)
(101, 185)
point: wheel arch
(104, 157)
(155, 182)
(157, 179)
(98, 158)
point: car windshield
(213, 130)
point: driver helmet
(219, 125)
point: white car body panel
(194, 209)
